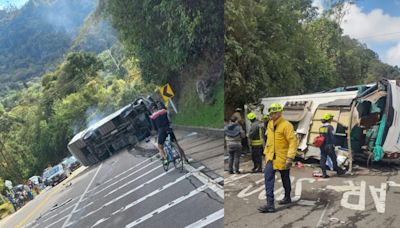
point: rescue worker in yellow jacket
(279, 154)
(256, 142)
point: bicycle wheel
(178, 160)
(166, 165)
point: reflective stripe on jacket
(255, 134)
(257, 142)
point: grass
(192, 112)
(6, 209)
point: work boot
(259, 169)
(238, 172)
(285, 200)
(325, 176)
(341, 172)
(230, 172)
(269, 208)
(253, 170)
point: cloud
(393, 55)
(374, 26)
(319, 5)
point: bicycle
(173, 155)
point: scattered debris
(333, 219)
(317, 173)
(299, 164)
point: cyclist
(161, 123)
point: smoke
(65, 15)
(92, 116)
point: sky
(17, 3)
(375, 23)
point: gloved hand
(288, 163)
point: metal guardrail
(202, 130)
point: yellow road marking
(30, 215)
(56, 190)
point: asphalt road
(132, 189)
(368, 198)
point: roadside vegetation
(156, 44)
(277, 48)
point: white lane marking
(207, 220)
(80, 199)
(162, 188)
(100, 221)
(212, 184)
(129, 182)
(167, 206)
(235, 177)
(191, 134)
(356, 191)
(392, 184)
(125, 194)
(48, 213)
(114, 183)
(58, 213)
(61, 212)
(379, 200)
(59, 220)
(219, 179)
(126, 207)
(124, 172)
(322, 215)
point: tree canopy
(277, 48)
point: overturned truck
(118, 130)
(366, 120)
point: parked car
(72, 163)
(36, 180)
(56, 174)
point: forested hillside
(276, 48)
(158, 42)
(35, 38)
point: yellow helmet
(275, 107)
(327, 116)
(266, 116)
(251, 116)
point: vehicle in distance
(71, 162)
(56, 174)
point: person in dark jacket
(328, 147)
(233, 136)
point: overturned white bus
(366, 119)
(118, 130)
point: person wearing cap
(238, 115)
(328, 147)
(256, 142)
(279, 153)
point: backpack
(318, 141)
